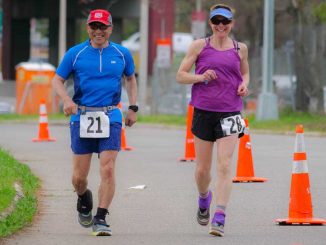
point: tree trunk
(310, 54)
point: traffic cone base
(248, 179)
(127, 148)
(43, 140)
(307, 221)
(187, 159)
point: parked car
(132, 42)
(180, 42)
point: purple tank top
(219, 95)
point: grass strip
(12, 171)
(287, 121)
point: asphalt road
(164, 212)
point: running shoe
(101, 228)
(203, 212)
(217, 225)
(85, 217)
(85, 220)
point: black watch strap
(133, 108)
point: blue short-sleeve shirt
(97, 75)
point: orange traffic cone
(190, 142)
(300, 205)
(245, 168)
(123, 133)
(43, 132)
(124, 141)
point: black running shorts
(207, 125)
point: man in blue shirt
(97, 67)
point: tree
(310, 53)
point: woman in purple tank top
(220, 81)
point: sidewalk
(164, 212)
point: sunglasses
(95, 26)
(224, 21)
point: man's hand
(131, 118)
(69, 107)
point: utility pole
(267, 100)
(198, 5)
(62, 29)
(143, 55)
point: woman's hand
(208, 75)
(243, 90)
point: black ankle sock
(84, 197)
(85, 202)
(101, 213)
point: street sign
(163, 53)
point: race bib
(233, 125)
(94, 124)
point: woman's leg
(225, 149)
(204, 151)
(203, 178)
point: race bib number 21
(233, 125)
(94, 124)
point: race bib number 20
(94, 124)
(233, 125)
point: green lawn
(24, 118)
(288, 120)
(173, 120)
(286, 123)
(11, 171)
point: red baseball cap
(100, 15)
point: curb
(19, 194)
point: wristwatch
(133, 108)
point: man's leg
(107, 173)
(105, 192)
(81, 166)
